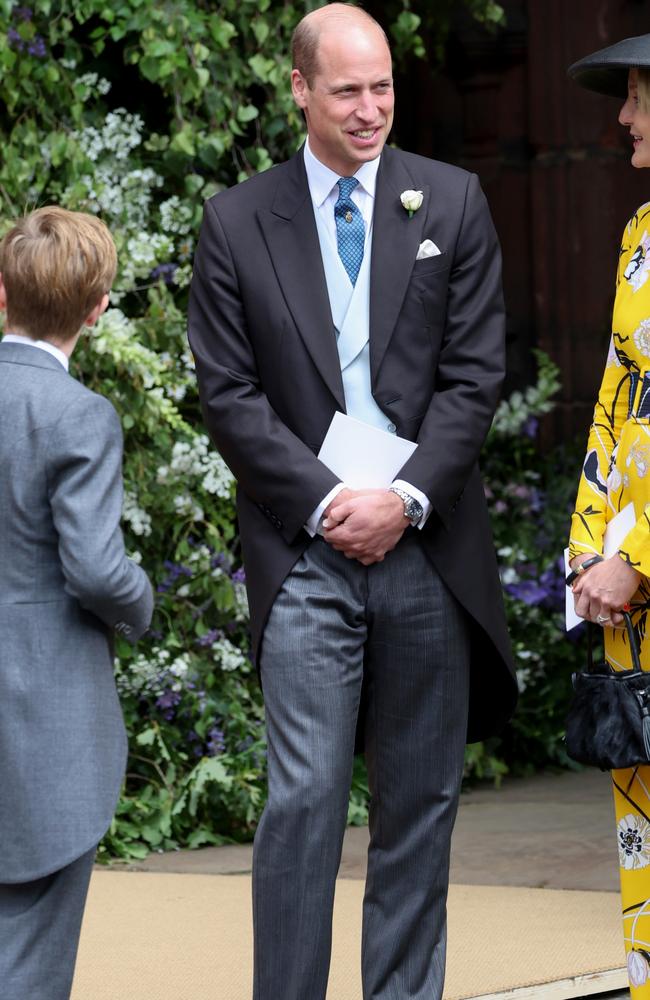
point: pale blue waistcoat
(350, 307)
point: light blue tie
(350, 231)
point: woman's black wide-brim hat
(606, 71)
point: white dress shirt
(43, 345)
(324, 191)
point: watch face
(413, 510)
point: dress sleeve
(635, 549)
(610, 413)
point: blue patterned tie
(350, 231)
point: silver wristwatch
(412, 508)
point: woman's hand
(603, 589)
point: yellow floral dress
(616, 472)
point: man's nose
(366, 107)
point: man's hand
(604, 588)
(364, 524)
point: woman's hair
(644, 88)
(56, 266)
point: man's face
(349, 108)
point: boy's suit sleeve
(85, 491)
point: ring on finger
(601, 619)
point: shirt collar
(44, 345)
(322, 180)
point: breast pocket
(431, 265)
(427, 290)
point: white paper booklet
(362, 456)
(616, 531)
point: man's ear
(3, 296)
(100, 308)
(299, 88)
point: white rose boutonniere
(411, 200)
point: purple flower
(239, 576)
(23, 13)
(15, 40)
(175, 570)
(216, 743)
(529, 429)
(528, 591)
(209, 637)
(219, 561)
(37, 47)
(500, 507)
(164, 271)
(554, 585)
(169, 699)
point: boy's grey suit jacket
(66, 584)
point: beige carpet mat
(188, 937)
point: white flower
(229, 656)
(138, 519)
(637, 968)
(186, 507)
(218, 478)
(411, 200)
(642, 337)
(633, 842)
(242, 613)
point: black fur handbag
(608, 724)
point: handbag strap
(634, 644)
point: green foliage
(420, 28)
(531, 497)
(139, 112)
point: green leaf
(262, 67)
(222, 31)
(183, 141)
(247, 112)
(261, 29)
(146, 738)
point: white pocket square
(427, 249)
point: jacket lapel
(289, 229)
(395, 242)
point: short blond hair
(643, 88)
(56, 267)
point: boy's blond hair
(643, 88)
(56, 267)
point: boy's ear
(3, 296)
(100, 308)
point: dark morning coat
(261, 331)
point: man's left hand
(365, 525)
